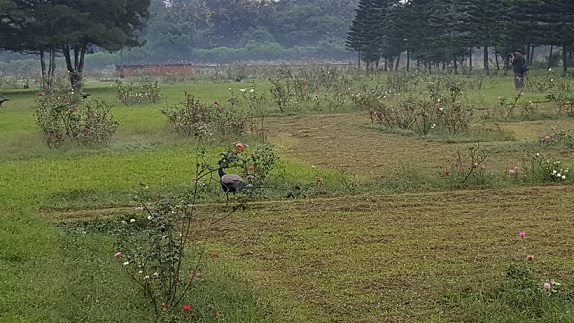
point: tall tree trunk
(470, 61)
(527, 53)
(358, 60)
(564, 61)
(43, 68)
(75, 68)
(550, 57)
(398, 60)
(496, 61)
(386, 64)
(455, 66)
(52, 67)
(531, 55)
(408, 59)
(485, 61)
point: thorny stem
(514, 103)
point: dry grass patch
(372, 258)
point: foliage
(196, 119)
(255, 163)
(153, 248)
(547, 169)
(443, 114)
(65, 116)
(471, 168)
(72, 28)
(522, 295)
(146, 92)
(282, 238)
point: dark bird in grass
(231, 183)
(2, 100)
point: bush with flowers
(153, 240)
(422, 117)
(197, 119)
(559, 138)
(152, 247)
(543, 169)
(523, 295)
(254, 163)
(145, 92)
(64, 115)
(470, 169)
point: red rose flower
(239, 147)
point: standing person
(519, 68)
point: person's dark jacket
(519, 64)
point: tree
(362, 36)
(556, 19)
(72, 28)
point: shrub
(146, 92)
(65, 116)
(152, 247)
(255, 163)
(196, 119)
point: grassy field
(391, 233)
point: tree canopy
(446, 31)
(72, 28)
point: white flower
(433, 125)
(124, 222)
(146, 277)
(550, 70)
(563, 176)
(252, 90)
(140, 272)
(149, 217)
(132, 220)
(126, 263)
(229, 89)
(551, 80)
(554, 172)
(156, 274)
(558, 175)
(537, 154)
(440, 109)
(242, 90)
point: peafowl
(231, 183)
(2, 100)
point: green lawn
(376, 231)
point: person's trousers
(518, 81)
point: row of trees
(172, 30)
(70, 28)
(447, 31)
(178, 27)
